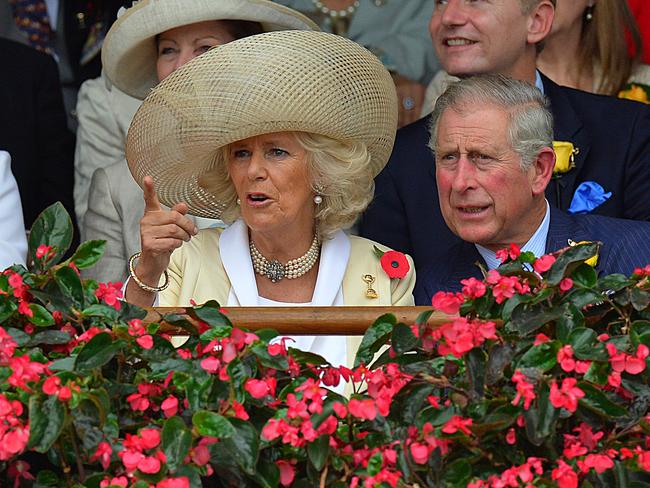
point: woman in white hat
(145, 44)
(281, 135)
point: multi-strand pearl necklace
(346, 12)
(276, 271)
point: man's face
(485, 197)
(481, 36)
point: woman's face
(568, 15)
(271, 179)
(178, 46)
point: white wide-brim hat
(129, 52)
(302, 81)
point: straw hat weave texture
(273, 82)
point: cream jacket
(216, 265)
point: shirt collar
(536, 244)
(538, 81)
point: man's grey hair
(531, 122)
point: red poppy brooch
(394, 263)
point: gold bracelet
(144, 286)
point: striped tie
(31, 18)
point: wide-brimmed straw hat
(129, 51)
(273, 82)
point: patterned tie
(31, 18)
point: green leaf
(435, 416)
(597, 372)
(70, 285)
(243, 445)
(640, 299)
(403, 339)
(50, 337)
(216, 332)
(614, 282)
(640, 332)
(376, 336)
(210, 313)
(475, 361)
(52, 227)
(40, 316)
(180, 321)
(305, 357)
(7, 308)
(527, 320)
(97, 352)
(176, 441)
(46, 420)
(500, 357)
(570, 319)
(598, 402)
(458, 473)
(569, 260)
(101, 310)
(580, 298)
(279, 362)
(88, 254)
(212, 424)
(267, 474)
(541, 417)
(375, 464)
(20, 338)
(63, 364)
(586, 345)
(542, 356)
(318, 451)
(585, 276)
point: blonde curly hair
(339, 172)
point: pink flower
(567, 396)
(419, 452)
(447, 302)
(540, 339)
(42, 251)
(169, 406)
(287, 472)
(564, 475)
(566, 284)
(362, 409)
(511, 437)
(103, 453)
(525, 390)
(256, 388)
(511, 252)
(473, 288)
(150, 438)
(117, 481)
(149, 465)
(110, 293)
(146, 341)
(565, 358)
(211, 364)
(599, 462)
(504, 288)
(456, 423)
(543, 264)
(182, 482)
(340, 410)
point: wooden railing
(308, 320)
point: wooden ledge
(307, 320)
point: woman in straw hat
(281, 135)
(145, 44)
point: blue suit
(626, 245)
(613, 137)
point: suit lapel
(462, 265)
(567, 127)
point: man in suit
(492, 138)
(73, 33)
(612, 136)
(33, 129)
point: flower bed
(541, 381)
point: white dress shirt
(13, 242)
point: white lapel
(236, 258)
(335, 254)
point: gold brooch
(369, 279)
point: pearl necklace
(334, 14)
(295, 268)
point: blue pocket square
(587, 197)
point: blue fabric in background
(587, 197)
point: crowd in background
(53, 92)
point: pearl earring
(238, 201)
(589, 13)
(318, 199)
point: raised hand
(161, 231)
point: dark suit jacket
(613, 137)
(33, 129)
(626, 246)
